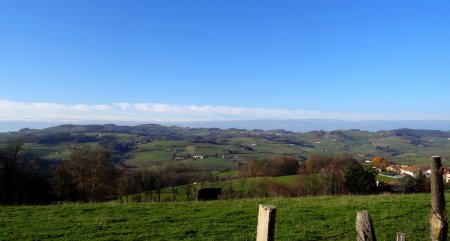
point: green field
(213, 162)
(60, 151)
(247, 183)
(227, 174)
(310, 218)
(239, 185)
(143, 159)
(153, 145)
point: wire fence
(352, 232)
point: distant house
(409, 170)
(198, 156)
(395, 168)
(445, 175)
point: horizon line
(162, 112)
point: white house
(409, 170)
(198, 156)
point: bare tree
(189, 178)
(242, 183)
(173, 179)
(91, 171)
(128, 183)
(101, 178)
(11, 165)
(63, 184)
(148, 183)
(159, 181)
(79, 168)
(22, 181)
(175, 176)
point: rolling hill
(222, 149)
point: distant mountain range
(319, 124)
(288, 125)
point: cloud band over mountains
(159, 112)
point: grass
(143, 159)
(311, 218)
(213, 162)
(162, 144)
(161, 152)
(228, 174)
(153, 156)
(285, 179)
(59, 151)
(246, 184)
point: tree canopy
(359, 180)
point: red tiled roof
(410, 169)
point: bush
(359, 180)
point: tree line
(280, 166)
(88, 176)
(318, 175)
(325, 175)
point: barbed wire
(403, 214)
(353, 230)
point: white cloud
(160, 112)
(102, 107)
(122, 106)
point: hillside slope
(147, 145)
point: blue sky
(213, 60)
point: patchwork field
(148, 145)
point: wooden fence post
(401, 237)
(266, 223)
(438, 218)
(364, 227)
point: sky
(148, 61)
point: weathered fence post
(438, 218)
(364, 227)
(266, 223)
(401, 237)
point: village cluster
(413, 171)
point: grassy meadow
(309, 218)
